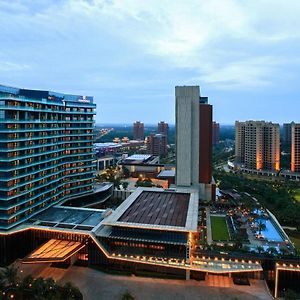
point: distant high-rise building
(193, 140)
(46, 151)
(138, 130)
(163, 128)
(158, 144)
(287, 134)
(215, 133)
(258, 145)
(295, 153)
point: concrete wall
(187, 135)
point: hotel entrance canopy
(54, 251)
(222, 266)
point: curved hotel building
(46, 151)
(46, 157)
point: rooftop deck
(157, 209)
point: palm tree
(272, 250)
(10, 275)
(260, 249)
(261, 226)
(125, 185)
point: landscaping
(295, 238)
(296, 241)
(277, 196)
(29, 288)
(219, 228)
(297, 195)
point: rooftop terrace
(157, 209)
(161, 208)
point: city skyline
(131, 54)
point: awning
(54, 251)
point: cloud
(6, 66)
(258, 72)
(188, 34)
(131, 47)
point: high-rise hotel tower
(46, 151)
(257, 145)
(194, 141)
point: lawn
(219, 229)
(297, 195)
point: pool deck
(271, 234)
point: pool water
(270, 233)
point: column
(187, 275)
(276, 284)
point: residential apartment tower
(138, 130)
(295, 153)
(257, 145)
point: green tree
(10, 275)
(127, 296)
(99, 178)
(2, 282)
(125, 185)
(126, 172)
(69, 291)
(261, 227)
(260, 249)
(272, 251)
(290, 295)
(38, 288)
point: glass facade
(46, 151)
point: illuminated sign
(84, 99)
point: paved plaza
(98, 285)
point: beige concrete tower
(187, 135)
(193, 140)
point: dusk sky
(130, 54)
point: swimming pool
(270, 233)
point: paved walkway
(97, 285)
(208, 227)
